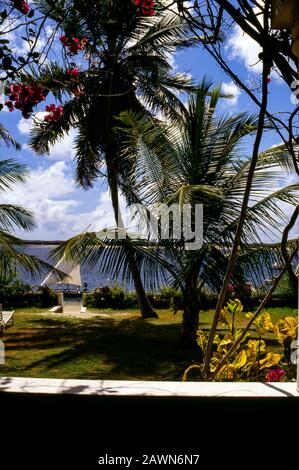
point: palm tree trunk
(145, 307)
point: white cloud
(243, 47)
(64, 149)
(24, 47)
(231, 89)
(172, 60)
(103, 215)
(24, 126)
(21, 46)
(46, 194)
(59, 209)
(61, 151)
(42, 184)
(5, 109)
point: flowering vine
(74, 45)
(73, 72)
(147, 6)
(54, 113)
(22, 6)
(24, 97)
(275, 375)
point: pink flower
(74, 45)
(147, 6)
(63, 39)
(24, 97)
(22, 6)
(74, 72)
(275, 375)
(50, 108)
(25, 8)
(54, 113)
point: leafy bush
(109, 297)
(116, 297)
(285, 295)
(16, 294)
(166, 298)
(286, 292)
(250, 361)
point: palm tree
(201, 161)
(128, 68)
(13, 254)
(14, 257)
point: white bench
(6, 318)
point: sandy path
(89, 314)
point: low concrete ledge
(57, 309)
(143, 389)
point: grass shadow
(99, 348)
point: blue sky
(61, 208)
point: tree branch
(239, 230)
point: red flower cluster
(73, 72)
(55, 113)
(74, 45)
(275, 375)
(25, 97)
(147, 6)
(22, 6)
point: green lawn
(117, 347)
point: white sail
(72, 271)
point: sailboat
(72, 277)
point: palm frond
(46, 134)
(53, 77)
(11, 172)
(168, 32)
(110, 257)
(12, 216)
(201, 159)
(14, 258)
(7, 138)
(87, 156)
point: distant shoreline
(43, 242)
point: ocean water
(93, 277)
